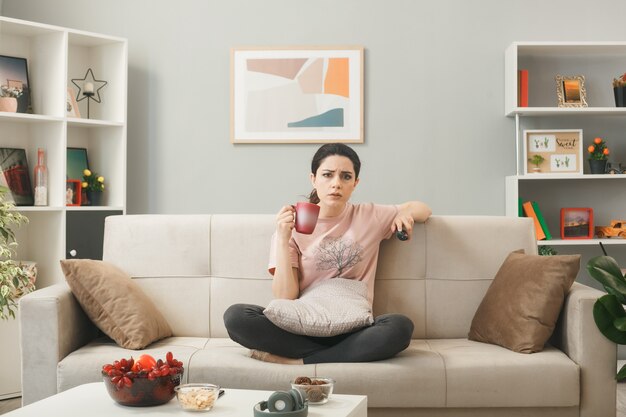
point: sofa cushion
(115, 303)
(384, 382)
(440, 372)
(84, 365)
(485, 375)
(328, 308)
(521, 306)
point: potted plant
(619, 90)
(8, 98)
(93, 184)
(608, 310)
(537, 160)
(16, 279)
(598, 154)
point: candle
(88, 88)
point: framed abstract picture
(297, 95)
(15, 176)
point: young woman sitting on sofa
(296, 263)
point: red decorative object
(577, 223)
(75, 198)
(522, 92)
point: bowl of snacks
(314, 389)
(197, 397)
(143, 382)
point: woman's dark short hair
(331, 149)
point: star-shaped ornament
(89, 87)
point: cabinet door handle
(72, 253)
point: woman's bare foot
(269, 357)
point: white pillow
(328, 308)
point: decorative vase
(620, 96)
(94, 198)
(8, 104)
(597, 166)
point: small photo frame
(577, 223)
(73, 193)
(14, 76)
(553, 151)
(15, 176)
(71, 105)
(571, 91)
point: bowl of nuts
(314, 389)
(197, 397)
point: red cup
(306, 217)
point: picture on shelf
(77, 162)
(577, 223)
(14, 82)
(71, 107)
(571, 91)
(297, 95)
(553, 151)
(15, 176)
(73, 193)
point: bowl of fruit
(315, 390)
(144, 381)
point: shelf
(37, 208)
(567, 111)
(95, 208)
(578, 242)
(539, 176)
(27, 118)
(76, 122)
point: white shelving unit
(599, 62)
(54, 56)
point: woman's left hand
(403, 222)
(409, 213)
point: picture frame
(14, 74)
(308, 94)
(571, 91)
(73, 193)
(559, 152)
(577, 223)
(15, 176)
(77, 162)
(71, 105)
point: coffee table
(94, 401)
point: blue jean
(389, 335)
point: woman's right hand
(285, 222)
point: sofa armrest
(52, 325)
(578, 336)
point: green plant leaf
(621, 374)
(606, 271)
(620, 324)
(605, 311)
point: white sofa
(195, 266)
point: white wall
(434, 94)
(434, 120)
